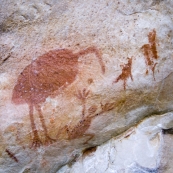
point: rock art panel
(49, 73)
(65, 99)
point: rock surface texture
(86, 86)
(146, 148)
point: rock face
(77, 74)
(145, 148)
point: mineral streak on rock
(49, 73)
(126, 73)
(141, 30)
(150, 51)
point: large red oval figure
(48, 73)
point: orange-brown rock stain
(150, 52)
(126, 73)
(49, 73)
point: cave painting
(82, 95)
(81, 127)
(150, 52)
(79, 130)
(126, 73)
(55, 70)
(46, 75)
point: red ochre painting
(150, 52)
(54, 70)
(126, 73)
(79, 130)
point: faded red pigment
(150, 52)
(126, 73)
(82, 95)
(49, 73)
(79, 130)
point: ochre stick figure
(126, 73)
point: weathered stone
(74, 74)
(144, 148)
